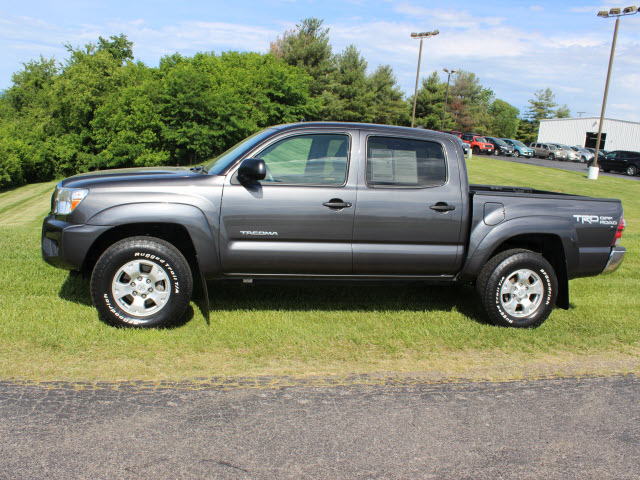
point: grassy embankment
(49, 330)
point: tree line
(102, 109)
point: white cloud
(536, 8)
(449, 18)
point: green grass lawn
(50, 331)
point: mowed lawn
(50, 331)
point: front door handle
(336, 204)
(442, 207)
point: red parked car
(478, 143)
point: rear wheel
(141, 282)
(517, 288)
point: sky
(514, 47)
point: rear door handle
(336, 204)
(442, 207)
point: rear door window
(401, 162)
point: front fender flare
(190, 217)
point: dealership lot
(571, 166)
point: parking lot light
(614, 12)
(446, 95)
(421, 36)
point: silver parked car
(585, 155)
(548, 150)
(572, 156)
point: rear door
(299, 219)
(410, 207)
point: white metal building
(616, 134)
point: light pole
(444, 111)
(614, 12)
(421, 36)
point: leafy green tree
(307, 46)
(505, 119)
(210, 102)
(470, 103)
(120, 47)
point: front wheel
(516, 153)
(632, 170)
(476, 150)
(517, 288)
(142, 282)
(551, 156)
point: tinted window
(405, 163)
(307, 160)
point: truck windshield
(218, 164)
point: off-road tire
(503, 267)
(163, 271)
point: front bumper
(65, 245)
(615, 259)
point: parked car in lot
(621, 161)
(500, 147)
(601, 153)
(520, 149)
(572, 155)
(478, 143)
(585, 155)
(547, 150)
(330, 202)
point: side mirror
(252, 170)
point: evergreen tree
(470, 103)
(307, 46)
(541, 106)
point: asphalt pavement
(560, 429)
(573, 166)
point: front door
(409, 215)
(299, 219)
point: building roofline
(587, 118)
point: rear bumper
(615, 259)
(65, 245)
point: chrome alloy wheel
(141, 288)
(521, 293)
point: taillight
(621, 225)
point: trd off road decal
(595, 220)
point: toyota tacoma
(325, 201)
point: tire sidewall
(156, 251)
(500, 275)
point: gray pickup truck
(325, 201)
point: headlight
(65, 200)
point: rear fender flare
(481, 247)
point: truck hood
(141, 174)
